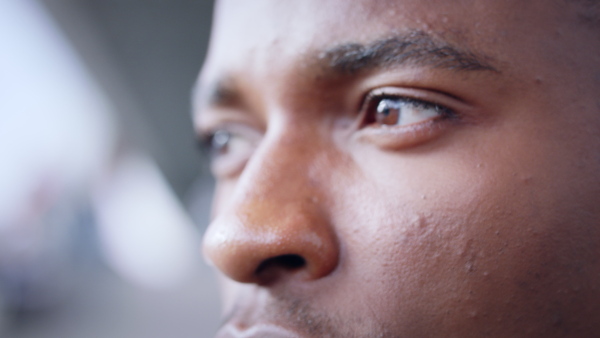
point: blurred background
(104, 194)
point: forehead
(264, 40)
(287, 27)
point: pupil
(220, 139)
(388, 112)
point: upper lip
(256, 313)
(255, 331)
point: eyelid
(233, 128)
(452, 110)
(214, 118)
(435, 98)
(211, 121)
(232, 161)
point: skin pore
(404, 168)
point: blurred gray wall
(146, 54)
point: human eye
(229, 147)
(396, 117)
(402, 111)
(396, 108)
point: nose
(275, 224)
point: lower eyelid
(403, 136)
(230, 165)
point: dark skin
(404, 168)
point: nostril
(291, 262)
(286, 262)
(274, 268)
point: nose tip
(265, 242)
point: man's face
(404, 168)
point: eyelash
(373, 99)
(217, 141)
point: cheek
(413, 257)
(478, 234)
(413, 243)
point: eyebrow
(415, 48)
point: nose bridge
(277, 209)
(284, 167)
